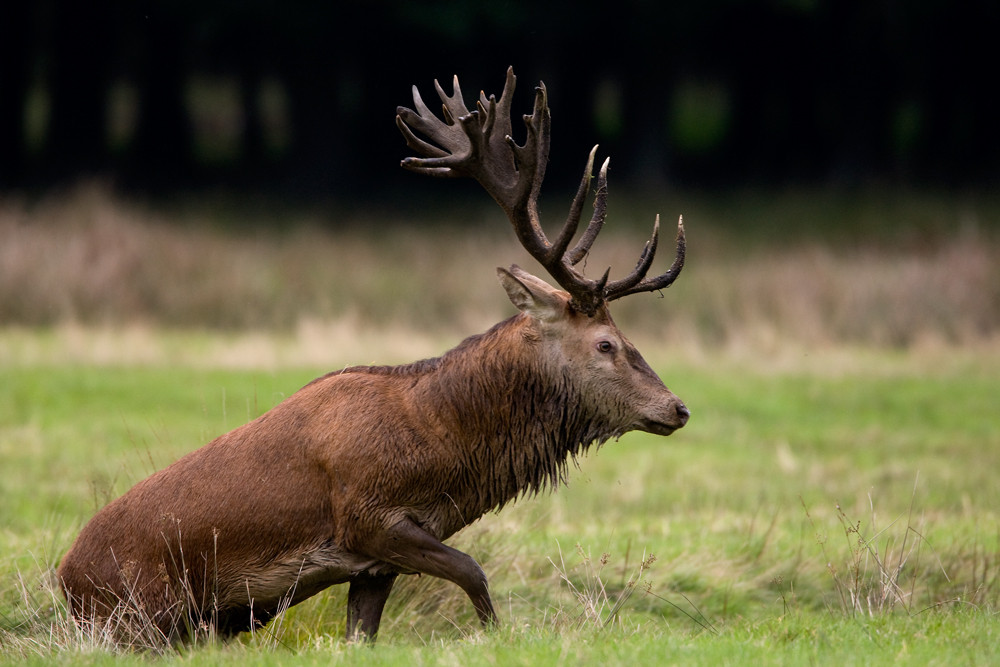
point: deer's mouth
(658, 428)
(677, 420)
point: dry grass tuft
(93, 259)
(598, 604)
(894, 567)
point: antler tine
(417, 144)
(532, 158)
(500, 110)
(420, 121)
(642, 266)
(452, 106)
(621, 288)
(572, 223)
(582, 247)
(487, 109)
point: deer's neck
(514, 419)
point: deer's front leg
(365, 600)
(410, 547)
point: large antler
(478, 144)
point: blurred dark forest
(297, 98)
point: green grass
(839, 507)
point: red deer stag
(360, 475)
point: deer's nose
(683, 413)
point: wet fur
(284, 506)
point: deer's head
(573, 324)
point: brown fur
(362, 473)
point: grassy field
(834, 499)
(842, 509)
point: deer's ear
(532, 295)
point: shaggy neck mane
(512, 423)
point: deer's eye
(606, 346)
